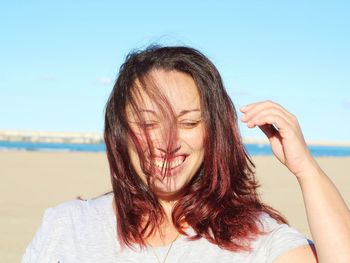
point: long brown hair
(221, 202)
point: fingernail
(243, 108)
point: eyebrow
(183, 112)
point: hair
(220, 202)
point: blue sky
(59, 59)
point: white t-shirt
(85, 231)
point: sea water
(253, 149)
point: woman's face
(187, 150)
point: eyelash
(189, 124)
(185, 125)
(147, 125)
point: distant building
(51, 137)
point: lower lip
(174, 171)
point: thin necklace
(167, 253)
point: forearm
(328, 215)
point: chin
(168, 188)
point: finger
(246, 107)
(258, 114)
(279, 122)
(259, 106)
(251, 109)
(253, 118)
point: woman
(183, 185)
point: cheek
(141, 141)
(135, 161)
(144, 139)
(134, 158)
(194, 138)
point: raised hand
(328, 214)
(283, 131)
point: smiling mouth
(170, 164)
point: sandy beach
(33, 181)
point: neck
(167, 232)
(167, 207)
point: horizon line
(86, 137)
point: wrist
(310, 170)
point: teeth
(172, 164)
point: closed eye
(188, 124)
(148, 125)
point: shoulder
(78, 211)
(78, 214)
(279, 239)
(82, 208)
(305, 253)
(275, 230)
(71, 226)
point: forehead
(178, 88)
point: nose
(169, 151)
(165, 141)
